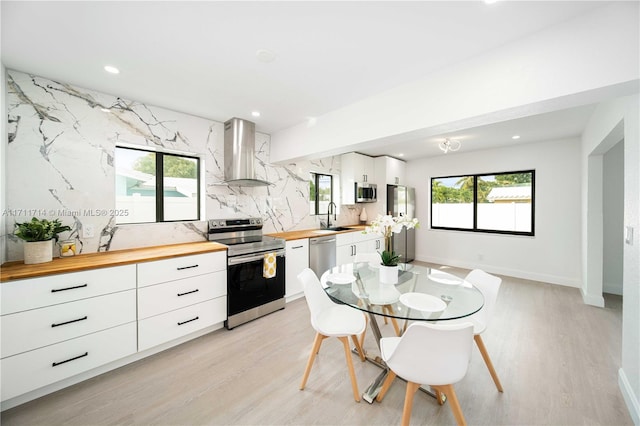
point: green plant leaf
(40, 229)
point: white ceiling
(200, 57)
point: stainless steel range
(251, 292)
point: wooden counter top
(309, 233)
(18, 270)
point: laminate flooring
(557, 358)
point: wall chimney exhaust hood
(239, 153)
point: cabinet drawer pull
(55, 290)
(69, 322)
(186, 267)
(188, 292)
(296, 247)
(192, 319)
(70, 359)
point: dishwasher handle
(321, 240)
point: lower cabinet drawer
(160, 298)
(32, 370)
(163, 328)
(28, 330)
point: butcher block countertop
(18, 270)
(311, 233)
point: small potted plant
(38, 236)
(386, 226)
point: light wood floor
(557, 358)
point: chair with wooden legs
(330, 319)
(489, 285)
(428, 354)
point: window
(320, 193)
(493, 202)
(156, 186)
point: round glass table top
(421, 293)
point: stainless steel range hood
(239, 153)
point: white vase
(388, 274)
(363, 216)
(38, 252)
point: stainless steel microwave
(366, 192)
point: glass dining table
(421, 294)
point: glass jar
(67, 248)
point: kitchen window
(320, 193)
(156, 186)
(501, 203)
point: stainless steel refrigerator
(401, 202)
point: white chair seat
(388, 346)
(478, 327)
(428, 354)
(330, 319)
(339, 321)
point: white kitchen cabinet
(349, 244)
(22, 295)
(297, 259)
(180, 296)
(34, 369)
(62, 325)
(354, 168)
(389, 171)
(179, 267)
(171, 325)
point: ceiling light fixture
(111, 69)
(514, 137)
(255, 113)
(449, 145)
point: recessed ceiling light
(265, 55)
(515, 137)
(111, 69)
(255, 113)
(401, 155)
(105, 110)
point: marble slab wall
(60, 164)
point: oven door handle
(251, 258)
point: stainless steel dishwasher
(322, 254)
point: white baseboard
(630, 398)
(516, 273)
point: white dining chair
(489, 285)
(330, 319)
(428, 354)
(387, 309)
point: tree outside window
(156, 187)
(494, 202)
(320, 193)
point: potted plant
(386, 225)
(38, 235)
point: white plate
(341, 278)
(445, 279)
(423, 302)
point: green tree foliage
(462, 190)
(173, 166)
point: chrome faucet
(329, 213)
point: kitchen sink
(339, 228)
(332, 229)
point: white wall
(613, 218)
(610, 122)
(3, 167)
(579, 61)
(61, 164)
(552, 255)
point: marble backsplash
(60, 163)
